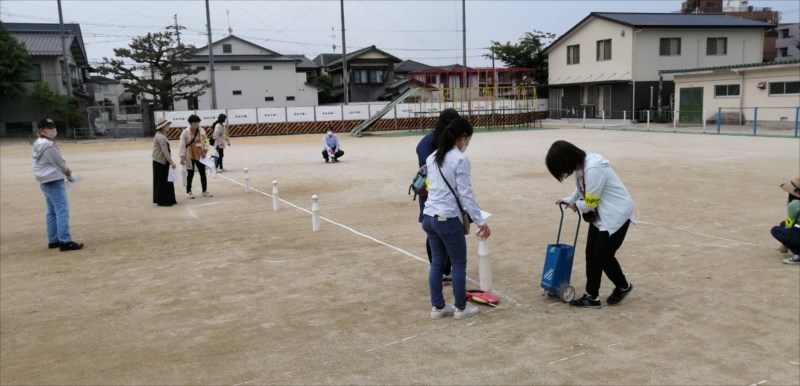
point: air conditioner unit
(762, 85)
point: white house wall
(237, 48)
(771, 107)
(589, 69)
(256, 83)
(745, 45)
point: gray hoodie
(48, 166)
(604, 193)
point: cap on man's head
(45, 123)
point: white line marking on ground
(552, 304)
(471, 324)
(212, 203)
(755, 384)
(704, 235)
(410, 337)
(614, 344)
(795, 363)
(563, 359)
(244, 383)
(364, 235)
(717, 224)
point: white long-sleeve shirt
(441, 201)
(602, 191)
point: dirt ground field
(223, 290)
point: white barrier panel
(359, 112)
(431, 108)
(158, 114)
(300, 114)
(407, 110)
(374, 109)
(242, 116)
(329, 113)
(208, 117)
(178, 118)
(271, 114)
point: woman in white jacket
(605, 203)
(220, 140)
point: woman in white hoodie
(605, 203)
(51, 170)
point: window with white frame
(603, 50)
(726, 90)
(669, 47)
(717, 46)
(574, 54)
(784, 88)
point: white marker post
(276, 199)
(315, 213)
(485, 265)
(246, 181)
(648, 118)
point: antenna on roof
(230, 30)
(333, 39)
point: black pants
(335, 155)
(600, 250)
(200, 169)
(220, 154)
(447, 266)
(163, 190)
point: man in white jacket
(50, 171)
(605, 203)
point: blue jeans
(447, 239)
(55, 194)
(790, 237)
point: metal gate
(112, 122)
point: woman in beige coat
(163, 188)
(193, 148)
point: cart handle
(560, 223)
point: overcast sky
(426, 31)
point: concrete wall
(589, 69)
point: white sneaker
(448, 310)
(794, 259)
(468, 312)
(207, 194)
(190, 195)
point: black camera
(589, 216)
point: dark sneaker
(618, 294)
(71, 246)
(585, 302)
(327, 160)
(794, 259)
(53, 245)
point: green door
(691, 107)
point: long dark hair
(220, 119)
(445, 117)
(563, 158)
(457, 128)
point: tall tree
(158, 68)
(14, 66)
(528, 53)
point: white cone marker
(276, 200)
(315, 213)
(246, 181)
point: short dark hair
(563, 158)
(193, 118)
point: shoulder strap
(458, 202)
(195, 136)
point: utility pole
(344, 57)
(65, 70)
(211, 60)
(464, 41)
(177, 30)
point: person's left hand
(172, 166)
(483, 231)
(68, 173)
(205, 152)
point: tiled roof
(411, 65)
(240, 58)
(305, 63)
(79, 51)
(732, 67)
(42, 44)
(702, 20)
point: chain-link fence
(112, 122)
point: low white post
(276, 199)
(315, 213)
(484, 266)
(648, 118)
(704, 120)
(674, 119)
(584, 117)
(246, 181)
(624, 116)
(603, 113)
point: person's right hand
(183, 161)
(559, 202)
(68, 173)
(483, 231)
(172, 166)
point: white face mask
(195, 125)
(464, 148)
(330, 133)
(51, 133)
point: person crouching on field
(605, 203)
(788, 232)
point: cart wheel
(567, 293)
